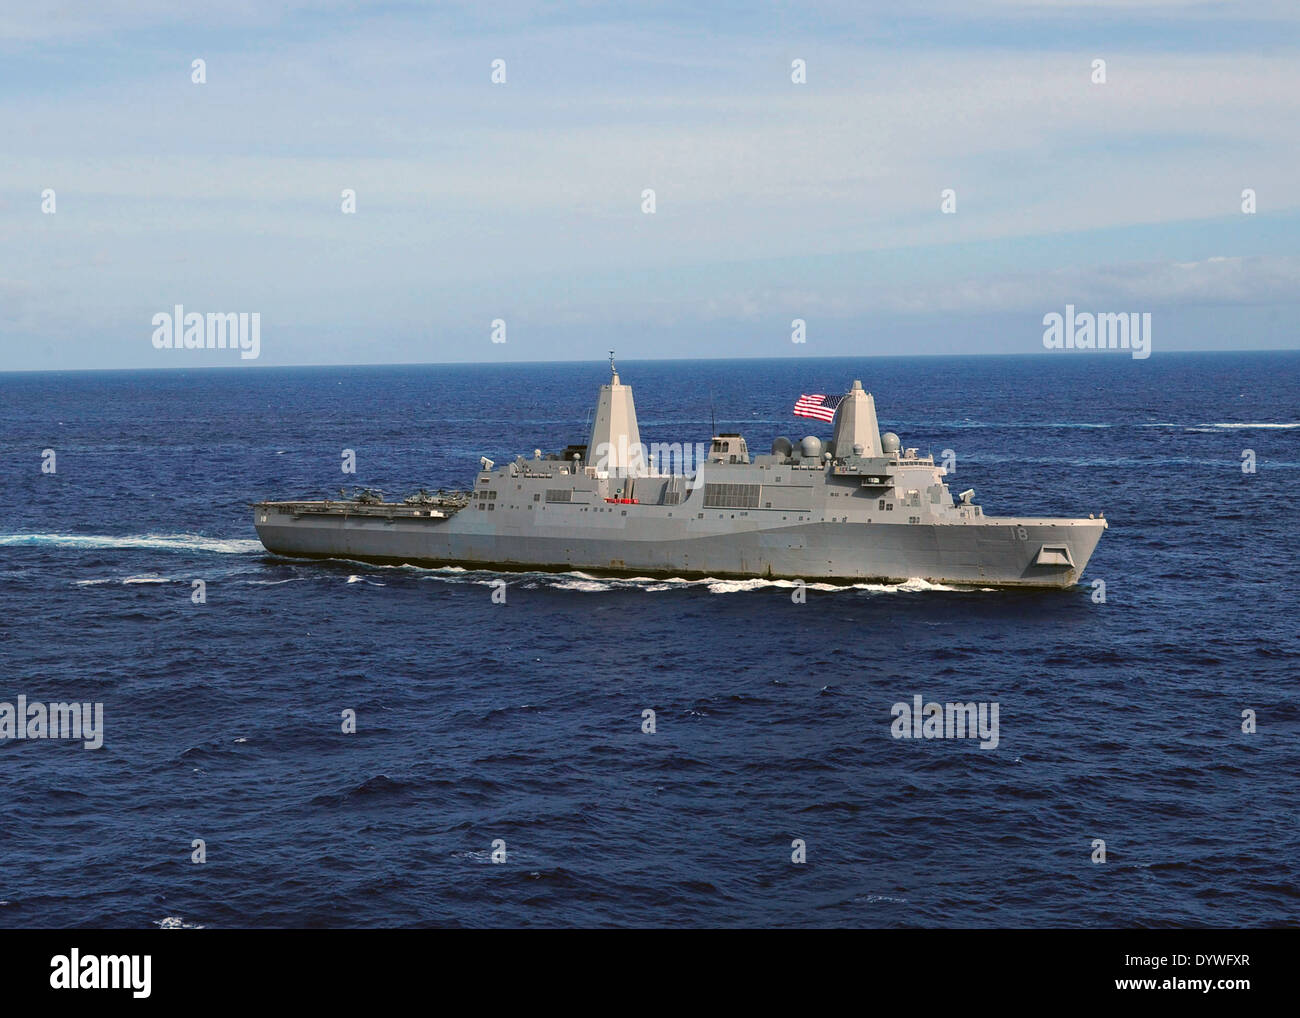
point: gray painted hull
(860, 508)
(991, 552)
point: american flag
(817, 405)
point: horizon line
(246, 366)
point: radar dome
(782, 447)
(811, 447)
(889, 443)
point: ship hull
(859, 508)
(1004, 552)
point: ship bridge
(728, 447)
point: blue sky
(522, 201)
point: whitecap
(1260, 424)
(175, 922)
(1225, 425)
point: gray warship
(859, 507)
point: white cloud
(1112, 287)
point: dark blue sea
(476, 721)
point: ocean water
(521, 722)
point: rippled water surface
(522, 722)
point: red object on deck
(625, 501)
